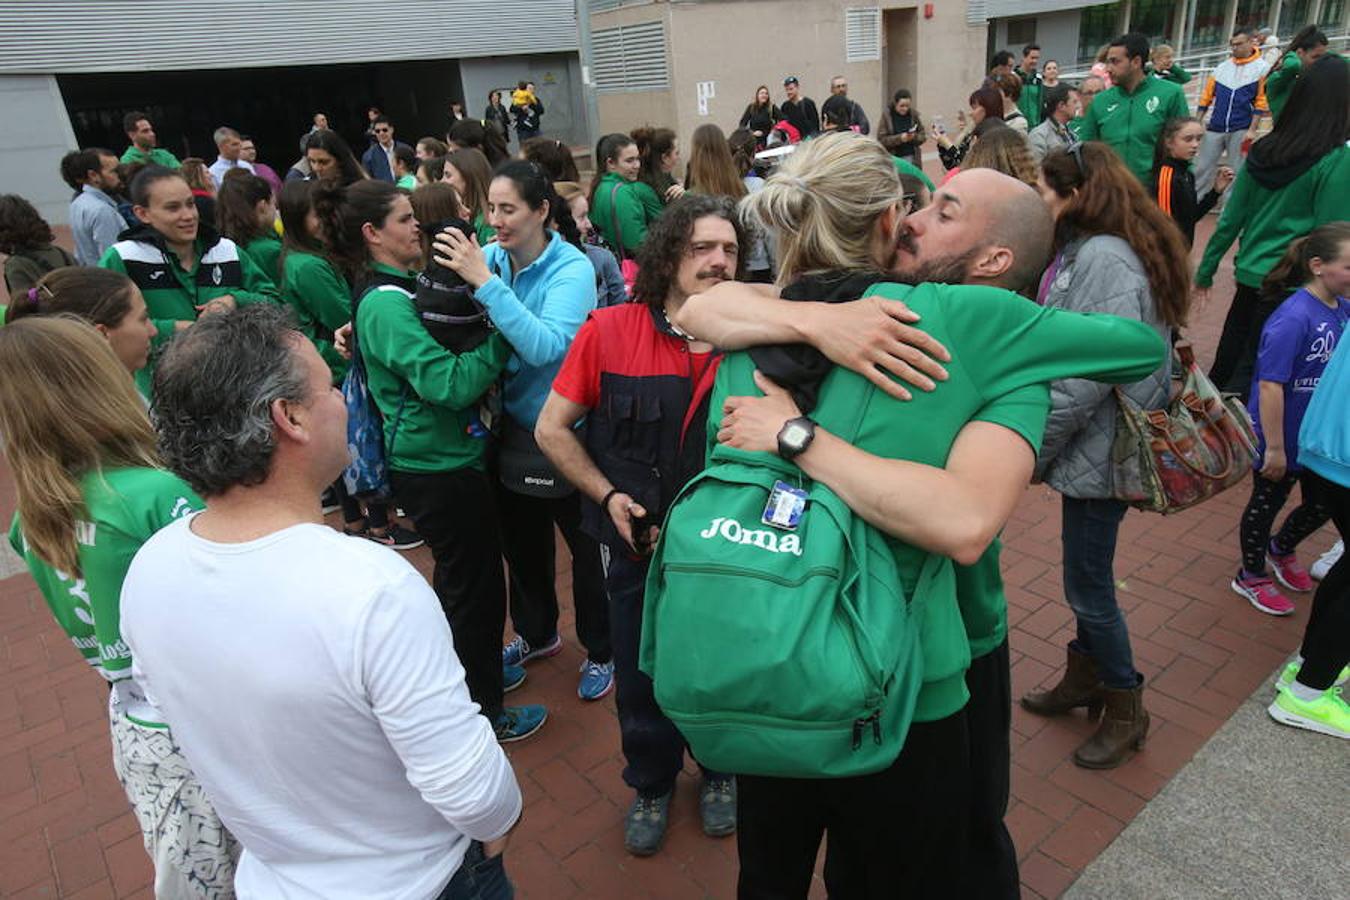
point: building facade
(685, 62)
(1073, 32)
(680, 63)
(69, 70)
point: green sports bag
(790, 653)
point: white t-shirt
(311, 681)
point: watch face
(794, 435)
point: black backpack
(445, 302)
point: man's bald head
(1019, 221)
(983, 227)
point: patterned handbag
(1166, 460)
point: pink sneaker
(1262, 593)
(1289, 573)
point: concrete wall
(1057, 33)
(32, 154)
(557, 76)
(951, 62)
(742, 45)
(625, 111)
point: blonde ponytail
(823, 203)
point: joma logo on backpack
(731, 530)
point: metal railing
(1200, 63)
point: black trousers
(376, 512)
(992, 863)
(653, 748)
(456, 514)
(530, 549)
(1259, 517)
(900, 832)
(1235, 357)
(1326, 640)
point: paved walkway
(1200, 839)
(65, 830)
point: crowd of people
(475, 351)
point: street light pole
(588, 72)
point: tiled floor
(65, 830)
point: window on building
(1333, 16)
(862, 33)
(1209, 22)
(1252, 14)
(1294, 14)
(1097, 25)
(1155, 18)
(631, 58)
(1021, 32)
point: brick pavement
(65, 830)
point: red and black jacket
(647, 430)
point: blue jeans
(479, 878)
(1088, 533)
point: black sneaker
(395, 536)
(644, 828)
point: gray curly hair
(213, 392)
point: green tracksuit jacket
(1131, 122)
(172, 293)
(1005, 352)
(427, 395)
(1265, 220)
(633, 208)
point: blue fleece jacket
(1324, 439)
(538, 310)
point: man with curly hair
(643, 387)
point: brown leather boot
(1122, 731)
(1079, 686)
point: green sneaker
(1328, 714)
(1291, 672)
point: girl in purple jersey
(1296, 344)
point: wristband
(604, 504)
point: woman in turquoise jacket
(538, 287)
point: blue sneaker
(512, 678)
(519, 722)
(519, 651)
(597, 680)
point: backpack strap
(614, 220)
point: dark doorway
(275, 106)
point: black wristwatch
(795, 436)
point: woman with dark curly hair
(26, 241)
(470, 133)
(553, 155)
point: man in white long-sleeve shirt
(309, 677)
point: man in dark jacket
(842, 110)
(379, 156)
(643, 387)
(800, 112)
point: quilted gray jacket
(1099, 275)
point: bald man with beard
(982, 228)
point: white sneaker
(1324, 562)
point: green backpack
(783, 653)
